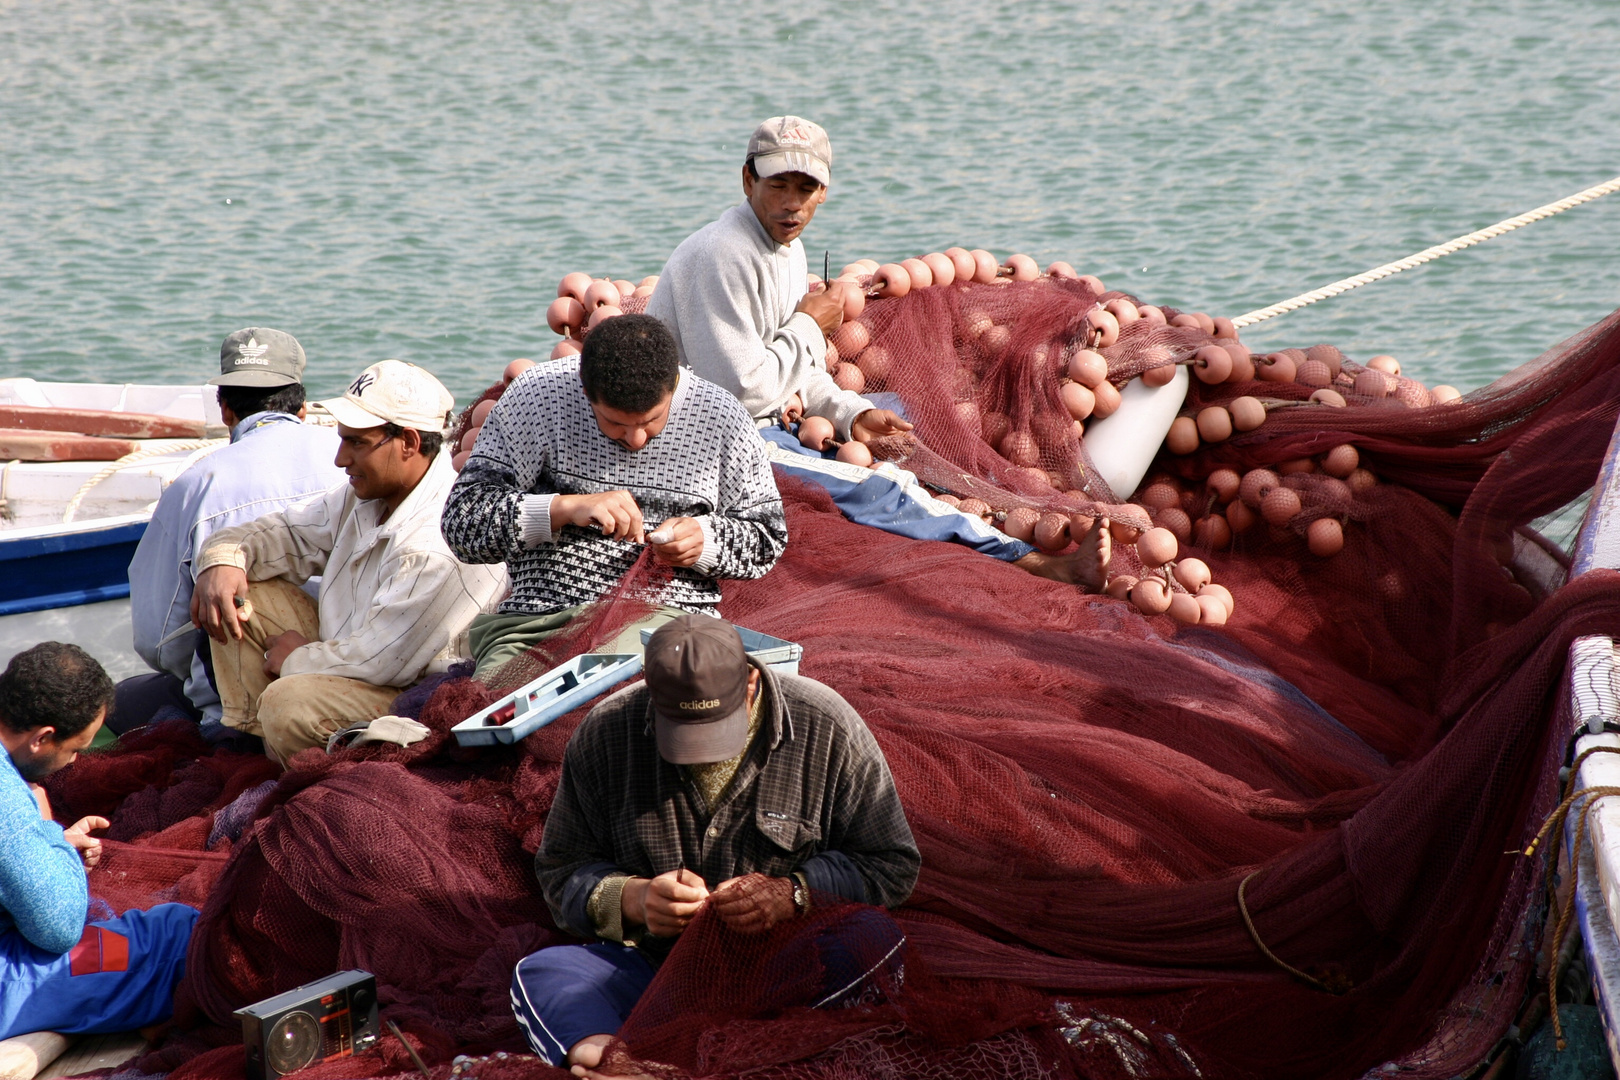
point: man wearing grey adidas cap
(394, 602)
(736, 296)
(273, 461)
(752, 793)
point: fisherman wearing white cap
(393, 599)
(735, 293)
(736, 296)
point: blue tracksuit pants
(888, 498)
(121, 975)
(568, 992)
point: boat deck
(91, 1052)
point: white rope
(134, 459)
(1346, 284)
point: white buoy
(1123, 444)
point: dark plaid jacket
(813, 794)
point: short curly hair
(629, 363)
(53, 685)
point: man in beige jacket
(394, 600)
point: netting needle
(409, 1049)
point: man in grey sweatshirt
(735, 295)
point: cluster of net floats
(1310, 497)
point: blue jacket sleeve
(159, 592)
(43, 889)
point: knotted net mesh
(1359, 745)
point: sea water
(410, 179)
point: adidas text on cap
(259, 356)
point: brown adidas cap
(697, 675)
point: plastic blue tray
(558, 691)
(772, 651)
(565, 688)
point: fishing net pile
(1090, 784)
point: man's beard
(34, 769)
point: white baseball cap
(791, 144)
(394, 392)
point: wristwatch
(801, 895)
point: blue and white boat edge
(1594, 689)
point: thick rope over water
(1427, 255)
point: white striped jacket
(394, 599)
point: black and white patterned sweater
(541, 439)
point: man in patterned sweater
(581, 463)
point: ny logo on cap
(252, 352)
(358, 387)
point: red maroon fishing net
(1089, 785)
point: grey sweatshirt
(727, 293)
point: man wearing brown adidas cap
(717, 784)
(394, 601)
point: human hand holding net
(753, 903)
(664, 904)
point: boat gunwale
(1592, 682)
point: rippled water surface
(410, 179)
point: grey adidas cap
(785, 144)
(259, 356)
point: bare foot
(588, 1052)
(599, 1057)
(1086, 566)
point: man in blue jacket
(58, 973)
(274, 460)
